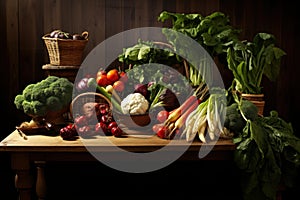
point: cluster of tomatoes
(113, 77)
(98, 123)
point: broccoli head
(50, 94)
(234, 119)
(249, 110)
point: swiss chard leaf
(213, 31)
(267, 152)
(273, 61)
(261, 57)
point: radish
(141, 88)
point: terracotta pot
(256, 99)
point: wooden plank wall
(24, 22)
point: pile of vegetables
(267, 151)
(176, 119)
(207, 120)
(95, 119)
(202, 114)
(156, 92)
(66, 35)
(145, 67)
(162, 87)
(178, 116)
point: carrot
(181, 120)
(174, 115)
(198, 96)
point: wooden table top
(41, 143)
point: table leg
(41, 188)
(23, 179)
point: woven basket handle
(85, 34)
(164, 44)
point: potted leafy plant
(250, 61)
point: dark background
(24, 22)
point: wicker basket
(65, 52)
(76, 106)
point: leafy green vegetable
(50, 94)
(156, 91)
(249, 61)
(248, 109)
(238, 113)
(148, 52)
(267, 152)
(156, 63)
(213, 32)
(234, 121)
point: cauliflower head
(134, 104)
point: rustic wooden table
(36, 150)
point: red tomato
(100, 126)
(112, 124)
(162, 116)
(119, 86)
(156, 127)
(113, 75)
(116, 131)
(162, 132)
(102, 80)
